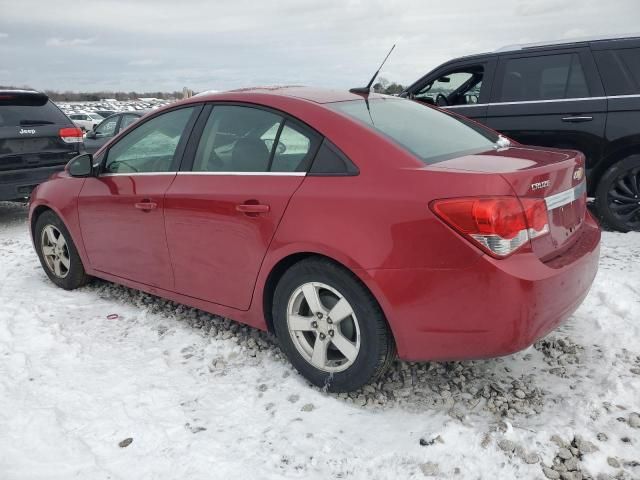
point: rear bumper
(16, 184)
(488, 309)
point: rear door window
(248, 139)
(548, 77)
(23, 115)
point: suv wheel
(57, 252)
(330, 327)
(618, 195)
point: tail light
(70, 135)
(498, 225)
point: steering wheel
(441, 100)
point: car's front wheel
(57, 252)
(618, 195)
(330, 326)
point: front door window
(460, 87)
(151, 147)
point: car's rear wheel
(330, 326)
(618, 195)
(57, 252)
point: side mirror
(91, 134)
(81, 166)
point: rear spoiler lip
(23, 97)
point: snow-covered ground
(204, 398)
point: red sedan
(352, 226)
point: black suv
(36, 140)
(582, 95)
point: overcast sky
(167, 44)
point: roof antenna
(367, 89)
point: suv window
(547, 77)
(458, 88)
(620, 70)
(150, 147)
(20, 115)
(404, 121)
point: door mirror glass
(81, 166)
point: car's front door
(463, 88)
(552, 99)
(222, 210)
(122, 209)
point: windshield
(430, 134)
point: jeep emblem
(27, 131)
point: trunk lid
(557, 176)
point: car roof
(312, 94)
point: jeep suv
(36, 140)
(582, 95)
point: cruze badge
(27, 131)
(578, 174)
(540, 185)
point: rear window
(21, 115)
(429, 134)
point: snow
(203, 397)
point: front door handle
(252, 208)
(577, 119)
(146, 205)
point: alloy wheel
(624, 198)
(323, 327)
(55, 251)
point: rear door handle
(146, 205)
(253, 208)
(577, 119)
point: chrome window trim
(136, 174)
(563, 198)
(553, 100)
(267, 174)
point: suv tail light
(70, 135)
(498, 225)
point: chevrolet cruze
(354, 227)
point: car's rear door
(552, 98)
(224, 207)
(122, 209)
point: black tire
(75, 276)
(377, 348)
(617, 194)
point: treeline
(70, 96)
(95, 96)
(385, 86)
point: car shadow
(13, 213)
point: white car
(86, 121)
